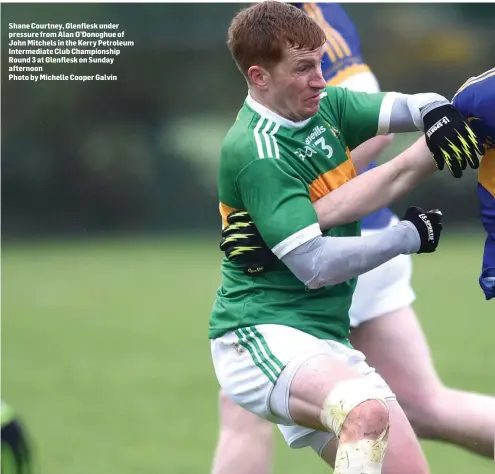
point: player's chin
(310, 109)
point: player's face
(296, 82)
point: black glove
(451, 140)
(429, 225)
(243, 245)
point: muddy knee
(355, 410)
(369, 420)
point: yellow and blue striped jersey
(342, 50)
(476, 101)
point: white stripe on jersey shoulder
(386, 113)
(295, 240)
(266, 141)
(268, 114)
(257, 137)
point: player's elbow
(385, 140)
(318, 282)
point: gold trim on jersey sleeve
(224, 212)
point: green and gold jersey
(275, 169)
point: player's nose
(317, 81)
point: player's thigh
(311, 379)
(237, 420)
(403, 455)
(249, 362)
(396, 346)
(311, 385)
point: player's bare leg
(395, 345)
(319, 396)
(404, 454)
(245, 444)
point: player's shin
(360, 419)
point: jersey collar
(267, 113)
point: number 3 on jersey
(326, 148)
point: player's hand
(429, 226)
(243, 245)
(451, 140)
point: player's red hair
(260, 34)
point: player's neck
(267, 109)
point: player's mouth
(314, 99)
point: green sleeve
(357, 113)
(279, 204)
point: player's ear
(258, 76)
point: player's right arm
(278, 202)
(361, 116)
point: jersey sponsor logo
(316, 132)
(319, 145)
(306, 152)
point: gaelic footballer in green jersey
(279, 343)
(275, 168)
(289, 146)
(296, 164)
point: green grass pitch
(105, 352)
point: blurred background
(110, 232)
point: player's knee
(354, 410)
(367, 420)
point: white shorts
(382, 290)
(255, 367)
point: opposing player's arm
(377, 188)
